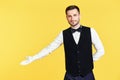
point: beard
(74, 23)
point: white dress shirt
(58, 42)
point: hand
(27, 61)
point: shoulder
(66, 30)
(87, 27)
(92, 30)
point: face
(73, 17)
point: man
(77, 40)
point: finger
(24, 62)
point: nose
(72, 18)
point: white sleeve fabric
(97, 45)
(49, 49)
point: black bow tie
(74, 30)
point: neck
(76, 26)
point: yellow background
(27, 26)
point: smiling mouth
(72, 22)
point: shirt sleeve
(50, 48)
(97, 44)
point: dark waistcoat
(78, 57)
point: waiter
(77, 40)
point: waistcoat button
(78, 51)
(78, 61)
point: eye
(75, 15)
(69, 16)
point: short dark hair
(72, 7)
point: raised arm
(49, 49)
